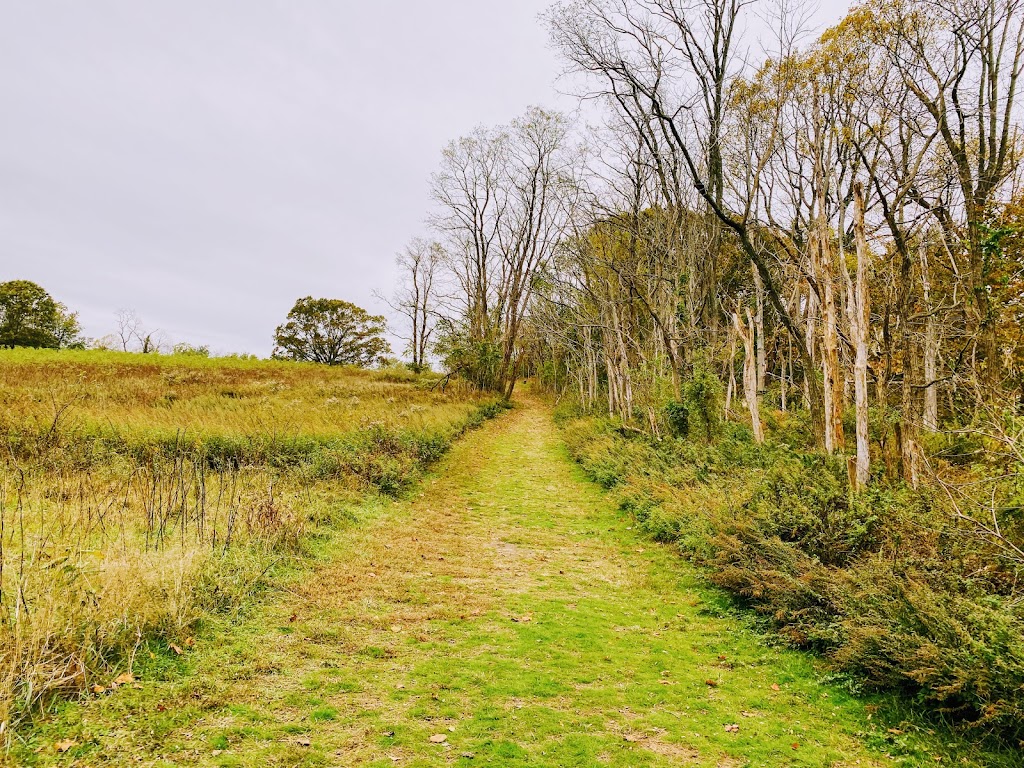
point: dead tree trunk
(746, 334)
(860, 323)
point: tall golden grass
(140, 492)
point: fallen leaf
(439, 738)
(732, 728)
(176, 649)
(467, 755)
(303, 741)
(389, 734)
(217, 752)
(396, 628)
(711, 683)
(776, 687)
(795, 745)
(400, 686)
(64, 746)
(98, 689)
(190, 642)
(124, 679)
(293, 617)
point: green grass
(507, 606)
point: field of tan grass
(138, 493)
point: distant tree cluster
(506, 197)
(328, 331)
(31, 317)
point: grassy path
(508, 612)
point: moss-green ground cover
(504, 614)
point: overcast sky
(207, 162)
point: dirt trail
(507, 611)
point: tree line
(834, 227)
(327, 331)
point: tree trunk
(759, 351)
(860, 324)
(746, 333)
(821, 260)
(930, 411)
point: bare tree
(129, 328)
(416, 297)
(962, 61)
(646, 56)
(506, 198)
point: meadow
(140, 493)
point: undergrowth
(896, 588)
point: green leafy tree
(332, 332)
(30, 317)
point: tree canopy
(30, 317)
(332, 332)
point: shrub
(702, 398)
(677, 415)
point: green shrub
(702, 397)
(677, 416)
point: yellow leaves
(63, 746)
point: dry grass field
(138, 493)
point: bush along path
(504, 614)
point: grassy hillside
(140, 492)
